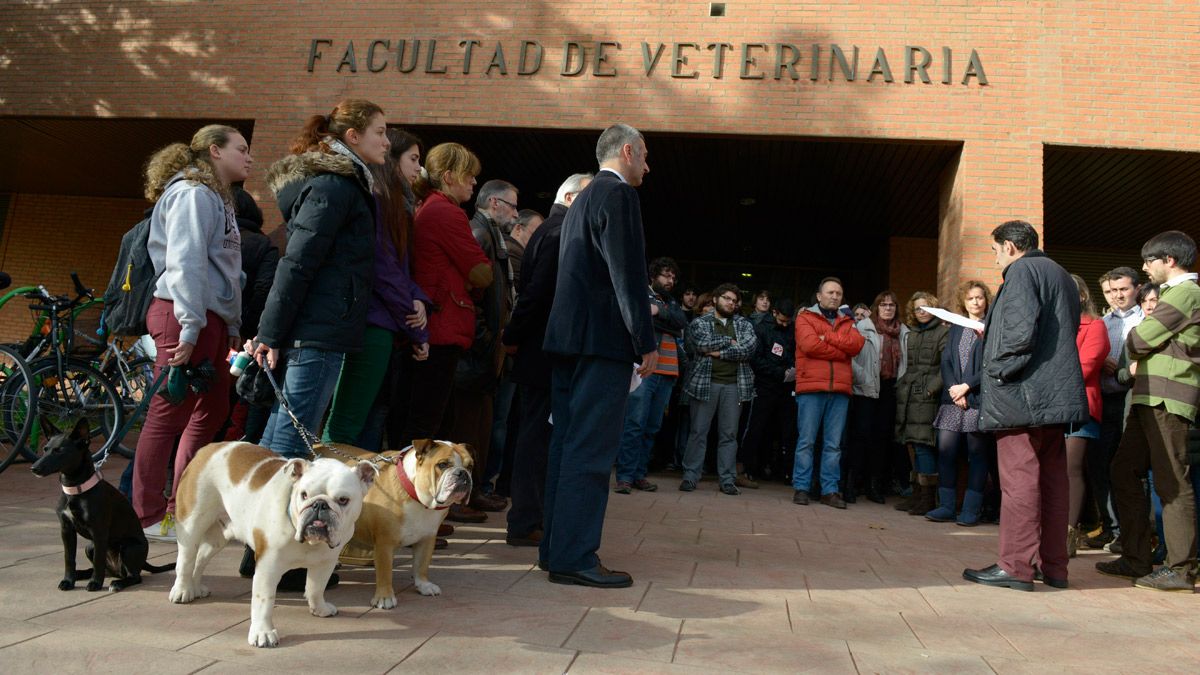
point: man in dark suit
(523, 339)
(599, 324)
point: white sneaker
(164, 531)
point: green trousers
(362, 374)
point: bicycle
(12, 438)
(59, 388)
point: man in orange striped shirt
(647, 404)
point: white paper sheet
(955, 318)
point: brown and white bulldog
(405, 507)
(292, 512)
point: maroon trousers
(1034, 510)
(194, 422)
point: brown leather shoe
(532, 539)
(439, 544)
(833, 499)
(484, 502)
(465, 514)
(445, 530)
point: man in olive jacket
(1031, 389)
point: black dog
(94, 509)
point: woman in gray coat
(918, 391)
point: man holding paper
(1032, 387)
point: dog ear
(422, 446)
(82, 432)
(367, 473)
(464, 452)
(295, 468)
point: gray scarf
(341, 149)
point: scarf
(341, 149)
(889, 355)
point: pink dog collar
(84, 487)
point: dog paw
(93, 586)
(66, 584)
(263, 637)
(181, 595)
(202, 591)
(323, 609)
(428, 588)
(384, 601)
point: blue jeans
(506, 389)
(825, 412)
(308, 385)
(643, 418)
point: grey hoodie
(196, 248)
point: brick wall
(46, 237)
(1104, 73)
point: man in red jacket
(826, 340)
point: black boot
(875, 490)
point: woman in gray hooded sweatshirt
(197, 307)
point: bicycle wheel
(14, 373)
(63, 398)
(132, 380)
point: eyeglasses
(505, 201)
(726, 298)
(887, 304)
(1151, 258)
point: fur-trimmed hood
(296, 168)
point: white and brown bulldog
(293, 513)
(405, 507)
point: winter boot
(875, 490)
(906, 503)
(944, 513)
(972, 501)
(926, 497)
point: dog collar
(84, 486)
(407, 483)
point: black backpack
(131, 287)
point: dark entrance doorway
(761, 211)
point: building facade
(1081, 117)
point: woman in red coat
(447, 264)
(1092, 341)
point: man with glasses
(719, 382)
(472, 404)
(1166, 394)
(646, 405)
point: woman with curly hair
(918, 390)
(957, 421)
(196, 312)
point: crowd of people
(388, 314)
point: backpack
(131, 287)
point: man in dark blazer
(599, 325)
(532, 369)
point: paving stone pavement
(750, 583)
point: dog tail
(155, 569)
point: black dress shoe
(996, 576)
(1049, 581)
(597, 577)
